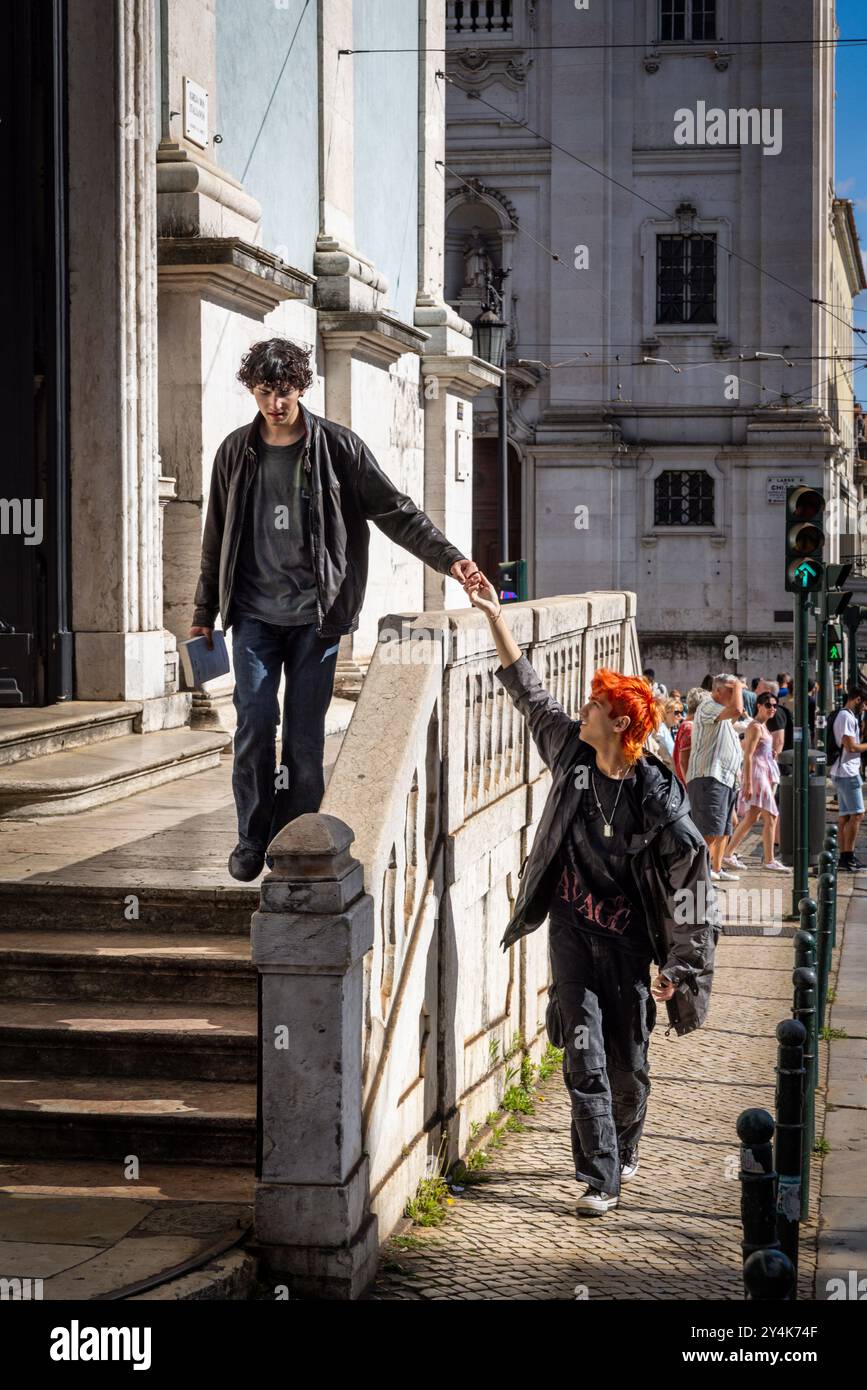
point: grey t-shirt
(274, 574)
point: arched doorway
(486, 505)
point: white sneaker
(628, 1165)
(728, 876)
(776, 866)
(592, 1202)
(714, 873)
(731, 861)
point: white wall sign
(195, 113)
(777, 484)
(463, 455)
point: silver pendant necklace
(607, 825)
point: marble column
(116, 568)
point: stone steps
(56, 784)
(104, 1118)
(110, 967)
(96, 1230)
(56, 1039)
(35, 733)
(86, 907)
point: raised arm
(551, 728)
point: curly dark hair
(278, 363)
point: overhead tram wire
(626, 188)
(561, 260)
(707, 49)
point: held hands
(482, 594)
(462, 570)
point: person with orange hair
(623, 876)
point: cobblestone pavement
(676, 1233)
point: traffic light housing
(838, 598)
(805, 539)
(835, 643)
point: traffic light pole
(852, 619)
(800, 769)
(822, 702)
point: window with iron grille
(683, 498)
(686, 278)
(685, 20)
(478, 16)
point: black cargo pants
(602, 1013)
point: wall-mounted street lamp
(489, 342)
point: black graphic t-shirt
(594, 886)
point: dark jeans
(260, 651)
(603, 989)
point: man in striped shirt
(715, 767)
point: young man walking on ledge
(284, 560)
(623, 876)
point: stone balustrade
(387, 1002)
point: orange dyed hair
(630, 695)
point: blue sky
(851, 159)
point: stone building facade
(660, 185)
(217, 172)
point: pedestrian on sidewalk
(750, 697)
(672, 713)
(284, 560)
(761, 776)
(622, 873)
(715, 760)
(845, 772)
(683, 737)
(656, 686)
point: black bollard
(804, 1009)
(758, 1184)
(823, 939)
(791, 1037)
(831, 848)
(769, 1276)
(808, 911)
(805, 948)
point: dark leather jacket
(671, 859)
(347, 488)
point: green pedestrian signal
(835, 651)
(806, 575)
(805, 539)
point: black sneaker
(246, 864)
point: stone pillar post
(116, 568)
(315, 924)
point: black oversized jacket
(347, 489)
(671, 859)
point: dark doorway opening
(486, 513)
(35, 641)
